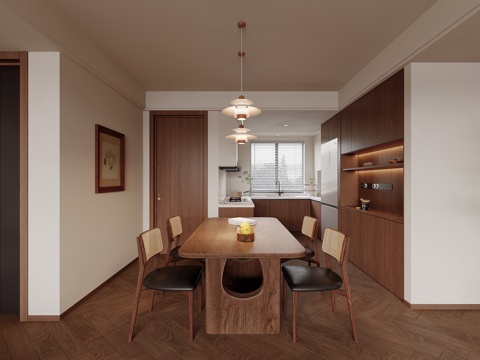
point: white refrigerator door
(328, 218)
(329, 179)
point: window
(274, 162)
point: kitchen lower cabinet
(279, 209)
(235, 212)
(376, 247)
(297, 210)
(288, 211)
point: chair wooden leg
(190, 313)
(350, 309)
(284, 296)
(152, 300)
(134, 317)
(352, 319)
(334, 305)
(294, 315)
(135, 307)
(200, 296)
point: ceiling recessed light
(285, 125)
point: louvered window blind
(277, 161)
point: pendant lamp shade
(241, 109)
(241, 135)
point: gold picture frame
(109, 160)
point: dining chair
(309, 232)
(167, 278)
(316, 278)
(174, 229)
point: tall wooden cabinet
(371, 134)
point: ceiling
(191, 45)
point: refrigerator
(329, 185)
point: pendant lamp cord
(241, 61)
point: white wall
(442, 177)
(213, 173)
(97, 231)
(44, 184)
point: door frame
(20, 58)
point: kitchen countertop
(286, 197)
(245, 203)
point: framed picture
(109, 160)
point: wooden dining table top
(216, 238)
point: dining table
(242, 278)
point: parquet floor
(387, 329)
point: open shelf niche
(383, 203)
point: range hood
(230, 168)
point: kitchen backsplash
(238, 181)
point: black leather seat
(174, 253)
(305, 279)
(173, 278)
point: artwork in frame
(109, 160)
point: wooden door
(180, 169)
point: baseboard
(442, 306)
(43, 318)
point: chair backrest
(334, 243)
(174, 226)
(309, 227)
(149, 244)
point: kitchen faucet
(278, 183)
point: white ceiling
(192, 45)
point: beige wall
(97, 231)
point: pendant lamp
(241, 108)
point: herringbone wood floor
(387, 329)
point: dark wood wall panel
(9, 189)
